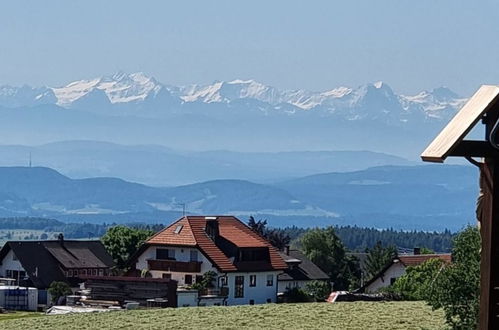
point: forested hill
(354, 238)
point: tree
(122, 242)
(325, 249)
(319, 290)
(378, 258)
(457, 288)
(425, 250)
(58, 289)
(258, 227)
(277, 237)
(418, 281)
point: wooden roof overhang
(450, 141)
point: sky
(314, 45)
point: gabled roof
(44, 260)
(453, 134)
(406, 261)
(418, 259)
(230, 228)
(305, 270)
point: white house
(397, 268)
(245, 264)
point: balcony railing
(223, 292)
(175, 266)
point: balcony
(175, 266)
(220, 292)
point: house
(39, 263)
(397, 268)
(245, 265)
(300, 272)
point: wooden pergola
(484, 106)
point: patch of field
(355, 315)
(17, 315)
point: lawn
(356, 315)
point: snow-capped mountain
(119, 88)
(137, 91)
(14, 97)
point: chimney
(60, 238)
(417, 251)
(286, 249)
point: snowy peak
(14, 97)
(119, 88)
(226, 92)
(138, 93)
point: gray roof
(45, 261)
(304, 269)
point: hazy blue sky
(412, 45)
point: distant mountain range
(403, 197)
(161, 166)
(239, 115)
(141, 92)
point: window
(270, 280)
(83, 272)
(70, 273)
(392, 280)
(14, 257)
(94, 272)
(188, 279)
(101, 272)
(252, 280)
(194, 255)
(223, 280)
(239, 288)
(165, 254)
(199, 278)
(178, 229)
(167, 276)
(8, 273)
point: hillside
(402, 197)
(160, 166)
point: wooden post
(489, 230)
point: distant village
(194, 261)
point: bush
(318, 290)
(296, 295)
(58, 289)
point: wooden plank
(461, 124)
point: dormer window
(211, 228)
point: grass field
(357, 315)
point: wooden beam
(470, 148)
(461, 124)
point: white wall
(259, 293)
(395, 271)
(181, 254)
(9, 263)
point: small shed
(483, 106)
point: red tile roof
(232, 229)
(417, 259)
